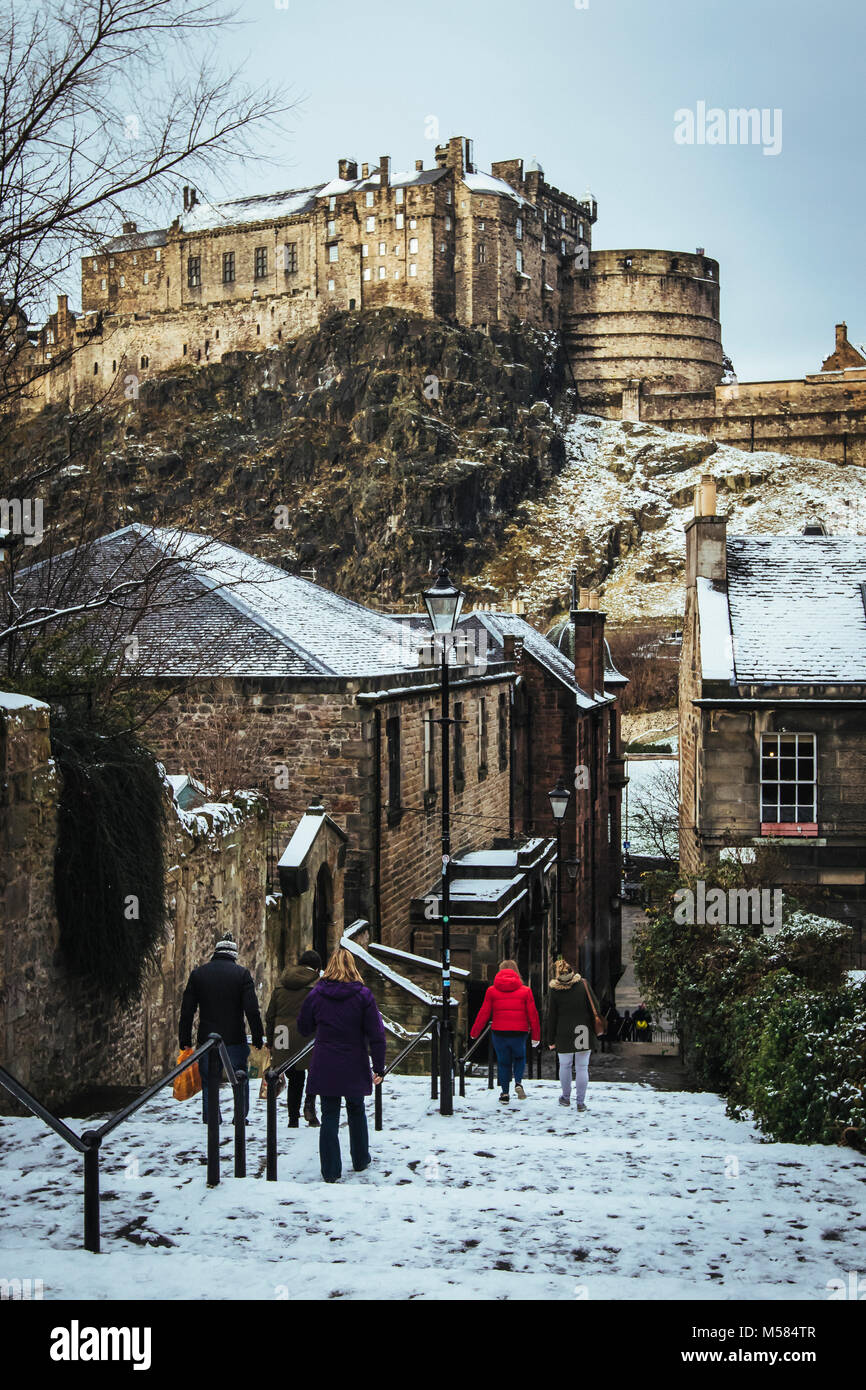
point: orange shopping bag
(188, 1084)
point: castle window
(365, 250)
(332, 228)
(114, 365)
(482, 253)
(260, 262)
(398, 196)
(185, 349)
(563, 246)
(371, 224)
(413, 246)
(145, 362)
(258, 329)
(228, 267)
(397, 273)
(332, 203)
(518, 229)
(50, 337)
(573, 221)
(370, 200)
(217, 335)
(290, 258)
(544, 241)
(333, 253)
(147, 277)
(123, 282)
(382, 248)
(628, 262)
(562, 220)
(331, 286)
(443, 246)
(398, 221)
(135, 260)
(413, 269)
(519, 260)
(96, 369)
(368, 274)
(580, 231)
(159, 253)
(448, 224)
(675, 263)
(193, 272)
(482, 226)
(545, 216)
(104, 284)
(413, 223)
(94, 264)
(382, 272)
(449, 197)
(398, 250)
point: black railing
(488, 1034)
(432, 1026)
(88, 1144)
(272, 1076)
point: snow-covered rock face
(617, 512)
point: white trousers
(580, 1062)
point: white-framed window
(104, 284)
(371, 224)
(448, 224)
(135, 260)
(365, 250)
(368, 274)
(50, 336)
(413, 269)
(519, 259)
(449, 197)
(382, 272)
(562, 220)
(563, 247)
(382, 248)
(544, 241)
(397, 273)
(94, 264)
(482, 226)
(518, 229)
(332, 228)
(398, 195)
(370, 199)
(398, 221)
(333, 253)
(332, 203)
(123, 282)
(482, 253)
(413, 223)
(146, 277)
(580, 231)
(443, 246)
(789, 781)
(332, 286)
(413, 246)
(159, 253)
(545, 216)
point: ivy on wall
(109, 871)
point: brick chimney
(347, 169)
(453, 154)
(706, 536)
(365, 171)
(841, 335)
(384, 170)
(129, 228)
(419, 166)
(588, 621)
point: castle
(641, 328)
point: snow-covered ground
(649, 1194)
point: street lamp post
(559, 799)
(444, 603)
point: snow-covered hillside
(649, 1194)
(618, 509)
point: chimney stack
(419, 166)
(588, 621)
(347, 169)
(384, 170)
(841, 335)
(706, 536)
(365, 171)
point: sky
(590, 89)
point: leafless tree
(105, 105)
(654, 812)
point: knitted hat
(311, 959)
(227, 946)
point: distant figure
(614, 1021)
(511, 1007)
(626, 1028)
(642, 1024)
(223, 992)
(281, 1022)
(571, 1009)
(342, 1013)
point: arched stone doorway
(323, 912)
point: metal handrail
(431, 1026)
(271, 1077)
(488, 1034)
(90, 1141)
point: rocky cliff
(367, 450)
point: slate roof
(797, 608)
(220, 612)
(501, 625)
(136, 241)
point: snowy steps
(647, 1194)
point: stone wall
(60, 1034)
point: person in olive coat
(282, 1034)
(571, 1029)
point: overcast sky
(591, 93)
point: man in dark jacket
(283, 1037)
(223, 992)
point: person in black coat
(224, 994)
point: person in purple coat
(342, 1013)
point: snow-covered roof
(717, 657)
(10, 702)
(502, 625)
(797, 609)
(136, 241)
(265, 207)
(221, 612)
(304, 837)
(487, 183)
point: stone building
(772, 703)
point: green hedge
(773, 1022)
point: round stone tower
(643, 322)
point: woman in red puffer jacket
(510, 1006)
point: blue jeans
(510, 1049)
(238, 1054)
(329, 1136)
